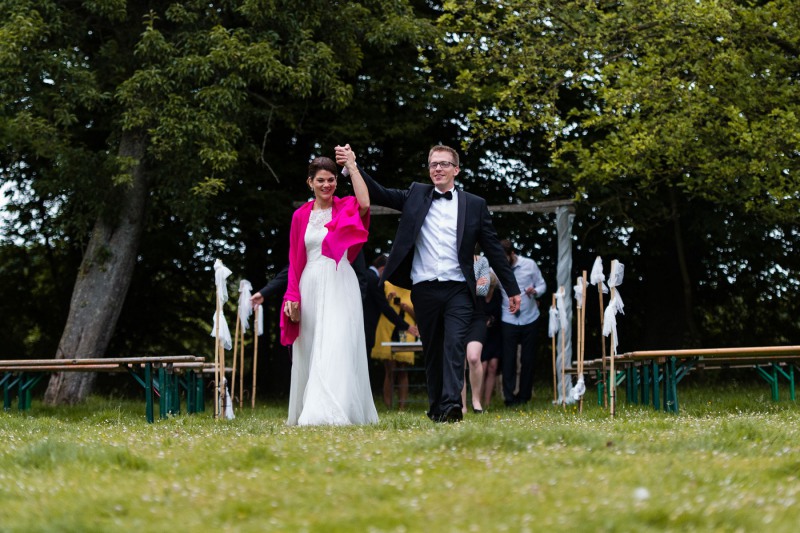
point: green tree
(674, 123)
(116, 111)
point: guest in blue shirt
(520, 328)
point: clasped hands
(345, 156)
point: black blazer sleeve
(277, 285)
(376, 294)
(360, 268)
(380, 195)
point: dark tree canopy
(674, 126)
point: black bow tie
(446, 195)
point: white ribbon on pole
(224, 333)
(610, 317)
(226, 406)
(245, 305)
(221, 272)
(579, 389)
(597, 275)
(553, 324)
(260, 321)
(617, 274)
(578, 288)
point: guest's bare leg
(388, 381)
(474, 350)
(402, 385)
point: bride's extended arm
(346, 156)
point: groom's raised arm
(378, 194)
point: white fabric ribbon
(562, 311)
(552, 325)
(578, 289)
(579, 389)
(610, 317)
(224, 332)
(260, 321)
(617, 274)
(221, 273)
(597, 275)
(245, 305)
(227, 404)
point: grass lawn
(729, 462)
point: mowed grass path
(729, 462)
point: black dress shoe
(477, 411)
(453, 415)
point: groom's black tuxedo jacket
(474, 226)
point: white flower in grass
(641, 494)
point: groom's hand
(344, 154)
(513, 303)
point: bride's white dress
(330, 379)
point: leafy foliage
(675, 126)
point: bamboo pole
(222, 379)
(255, 355)
(612, 377)
(603, 345)
(235, 351)
(241, 369)
(553, 343)
(216, 356)
(582, 330)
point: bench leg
(148, 392)
(775, 392)
(600, 388)
(200, 396)
(671, 386)
(772, 379)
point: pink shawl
(347, 230)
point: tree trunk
(688, 300)
(103, 280)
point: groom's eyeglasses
(444, 164)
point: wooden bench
(162, 376)
(654, 375)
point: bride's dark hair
(322, 163)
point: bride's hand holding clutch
(292, 310)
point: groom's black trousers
(443, 310)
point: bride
(322, 311)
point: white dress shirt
(435, 253)
(528, 275)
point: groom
(432, 255)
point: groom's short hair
(443, 148)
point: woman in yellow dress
(395, 364)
